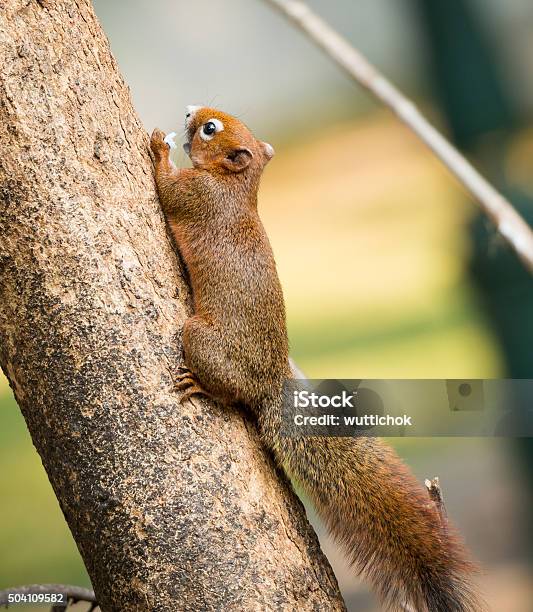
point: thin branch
(71, 593)
(507, 220)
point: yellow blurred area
(369, 236)
(4, 386)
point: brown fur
(236, 351)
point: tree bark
(172, 507)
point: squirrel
(236, 352)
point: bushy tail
(382, 517)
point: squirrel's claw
(183, 381)
(157, 143)
(193, 390)
(186, 382)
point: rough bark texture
(172, 508)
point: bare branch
(507, 220)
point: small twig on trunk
(435, 494)
(507, 220)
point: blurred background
(387, 268)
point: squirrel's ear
(269, 150)
(238, 159)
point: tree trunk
(172, 507)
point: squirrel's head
(220, 143)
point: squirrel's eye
(210, 128)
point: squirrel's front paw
(158, 145)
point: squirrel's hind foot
(188, 383)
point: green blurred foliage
(35, 543)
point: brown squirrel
(236, 352)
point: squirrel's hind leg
(206, 357)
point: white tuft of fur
(190, 111)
